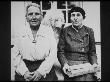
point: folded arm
(92, 48)
(61, 52)
(18, 61)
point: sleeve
(61, 52)
(19, 64)
(92, 48)
(47, 64)
(21, 67)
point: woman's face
(76, 18)
(34, 16)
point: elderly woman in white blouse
(54, 18)
(36, 49)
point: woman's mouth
(76, 22)
(34, 21)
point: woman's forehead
(75, 13)
(33, 9)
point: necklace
(34, 41)
(34, 36)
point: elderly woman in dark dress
(77, 46)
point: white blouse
(44, 48)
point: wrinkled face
(33, 16)
(76, 18)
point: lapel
(83, 32)
(84, 35)
(29, 32)
(81, 37)
(74, 35)
(40, 33)
(78, 36)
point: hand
(28, 75)
(96, 67)
(66, 68)
(74, 70)
(36, 76)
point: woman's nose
(33, 16)
(75, 18)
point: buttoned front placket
(82, 50)
(33, 45)
(82, 42)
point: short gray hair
(32, 4)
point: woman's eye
(30, 14)
(37, 13)
(78, 14)
(33, 14)
(73, 14)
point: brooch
(34, 41)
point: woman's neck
(34, 32)
(77, 27)
(34, 28)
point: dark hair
(77, 9)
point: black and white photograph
(55, 41)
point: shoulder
(67, 28)
(88, 29)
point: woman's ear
(27, 19)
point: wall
(17, 22)
(92, 20)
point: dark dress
(77, 48)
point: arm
(22, 70)
(61, 53)
(47, 64)
(21, 67)
(19, 63)
(92, 48)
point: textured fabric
(77, 56)
(85, 77)
(76, 46)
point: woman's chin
(76, 24)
